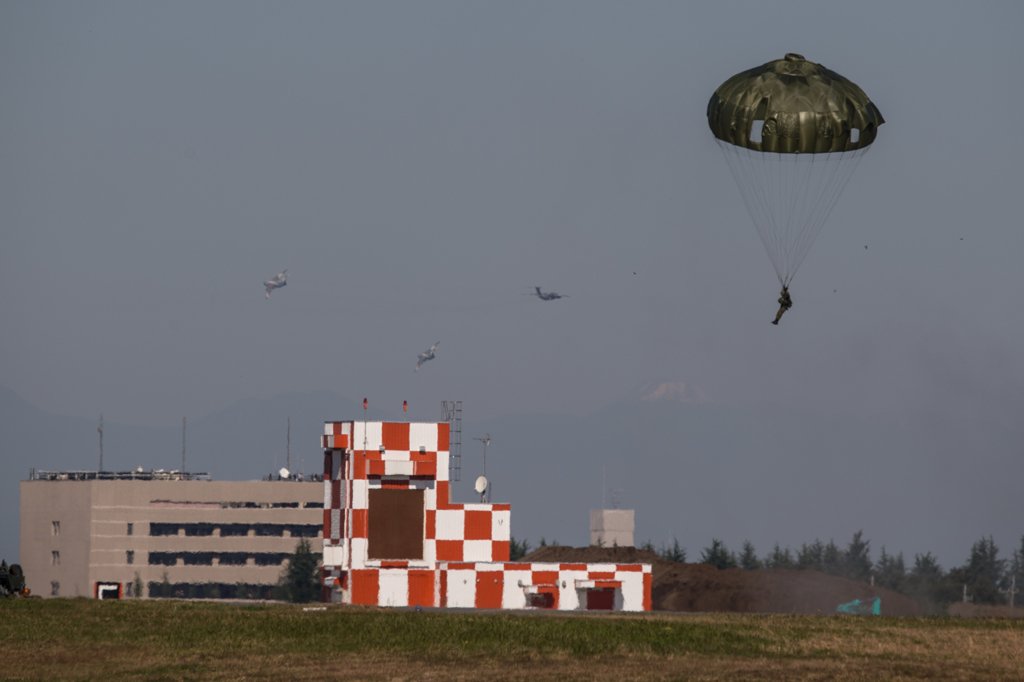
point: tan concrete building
(91, 534)
(611, 527)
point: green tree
(857, 558)
(779, 558)
(674, 553)
(811, 557)
(517, 550)
(718, 555)
(985, 571)
(137, 586)
(832, 559)
(1016, 574)
(890, 572)
(648, 546)
(929, 585)
(748, 559)
(300, 580)
(165, 586)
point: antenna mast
(451, 411)
(289, 465)
(486, 492)
(182, 445)
(486, 440)
(101, 441)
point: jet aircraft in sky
(276, 283)
(549, 296)
(423, 357)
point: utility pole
(1012, 590)
(101, 441)
(182, 445)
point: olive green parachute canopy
(805, 109)
(792, 133)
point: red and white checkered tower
(392, 537)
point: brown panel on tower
(396, 524)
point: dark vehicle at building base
(12, 581)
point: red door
(489, 586)
(600, 600)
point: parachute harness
(789, 197)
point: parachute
(792, 133)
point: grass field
(177, 640)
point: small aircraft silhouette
(550, 296)
(276, 283)
(423, 357)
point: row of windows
(159, 590)
(227, 529)
(296, 530)
(246, 505)
(223, 558)
(200, 558)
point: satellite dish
(284, 472)
(481, 485)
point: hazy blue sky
(418, 167)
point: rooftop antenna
(182, 445)
(289, 464)
(482, 486)
(486, 440)
(364, 425)
(101, 441)
(604, 484)
(615, 497)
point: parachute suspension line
(743, 172)
(823, 200)
(789, 198)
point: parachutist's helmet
(793, 106)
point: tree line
(984, 579)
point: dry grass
(86, 639)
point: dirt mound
(702, 587)
(593, 554)
(965, 610)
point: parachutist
(785, 303)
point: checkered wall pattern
(501, 585)
(465, 557)
(363, 456)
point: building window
(56, 527)
(55, 559)
(130, 555)
(131, 528)
(54, 588)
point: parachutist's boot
(775, 321)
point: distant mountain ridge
(654, 391)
